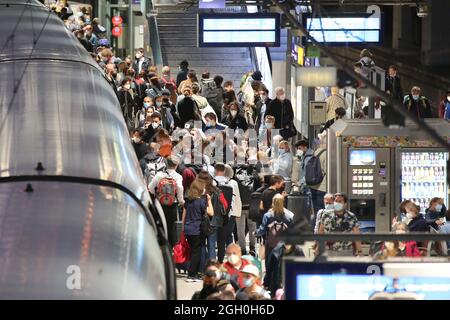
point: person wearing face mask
(152, 129)
(167, 120)
(234, 119)
(251, 284)
(282, 165)
(261, 103)
(328, 201)
(435, 213)
(145, 111)
(417, 104)
(90, 36)
(140, 147)
(414, 219)
(340, 220)
(141, 62)
(444, 107)
(127, 103)
(281, 109)
(211, 123)
(235, 264)
(304, 153)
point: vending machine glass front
(424, 175)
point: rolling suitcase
(301, 206)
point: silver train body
(76, 220)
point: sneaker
(199, 277)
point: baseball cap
(251, 269)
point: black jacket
(259, 120)
(282, 111)
(236, 122)
(187, 111)
(394, 86)
(127, 103)
(419, 108)
(432, 216)
(147, 63)
(182, 75)
(141, 149)
(418, 224)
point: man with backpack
(231, 193)
(167, 186)
(304, 154)
(315, 174)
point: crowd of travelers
(222, 161)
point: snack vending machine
(423, 176)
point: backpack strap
(320, 153)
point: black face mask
(281, 189)
(209, 288)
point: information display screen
(365, 287)
(238, 30)
(345, 29)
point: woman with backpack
(197, 206)
(274, 223)
(217, 220)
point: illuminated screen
(365, 287)
(362, 157)
(239, 30)
(345, 29)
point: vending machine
(423, 175)
(378, 167)
(368, 185)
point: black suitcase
(301, 206)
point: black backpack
(313, 170)
(227, 193)
(254, 212)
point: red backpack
(166, 191)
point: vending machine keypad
(362, 181)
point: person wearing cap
(257, 76)
(251, 280)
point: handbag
(182, 250)
(206, 227)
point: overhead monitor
(238, 30)
(345, 29)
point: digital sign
(345, 29)
(238, 30)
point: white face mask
(299, 153)
(234, 259)
(146, 105)
(269, 125)
(448, 98)
(158, 103)
(233, 113)
(329, 206)
(438, 207)
(263, 98)
(136, 139)
(155, 125)
(415, 96)
(410, 216)
(338, 206)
